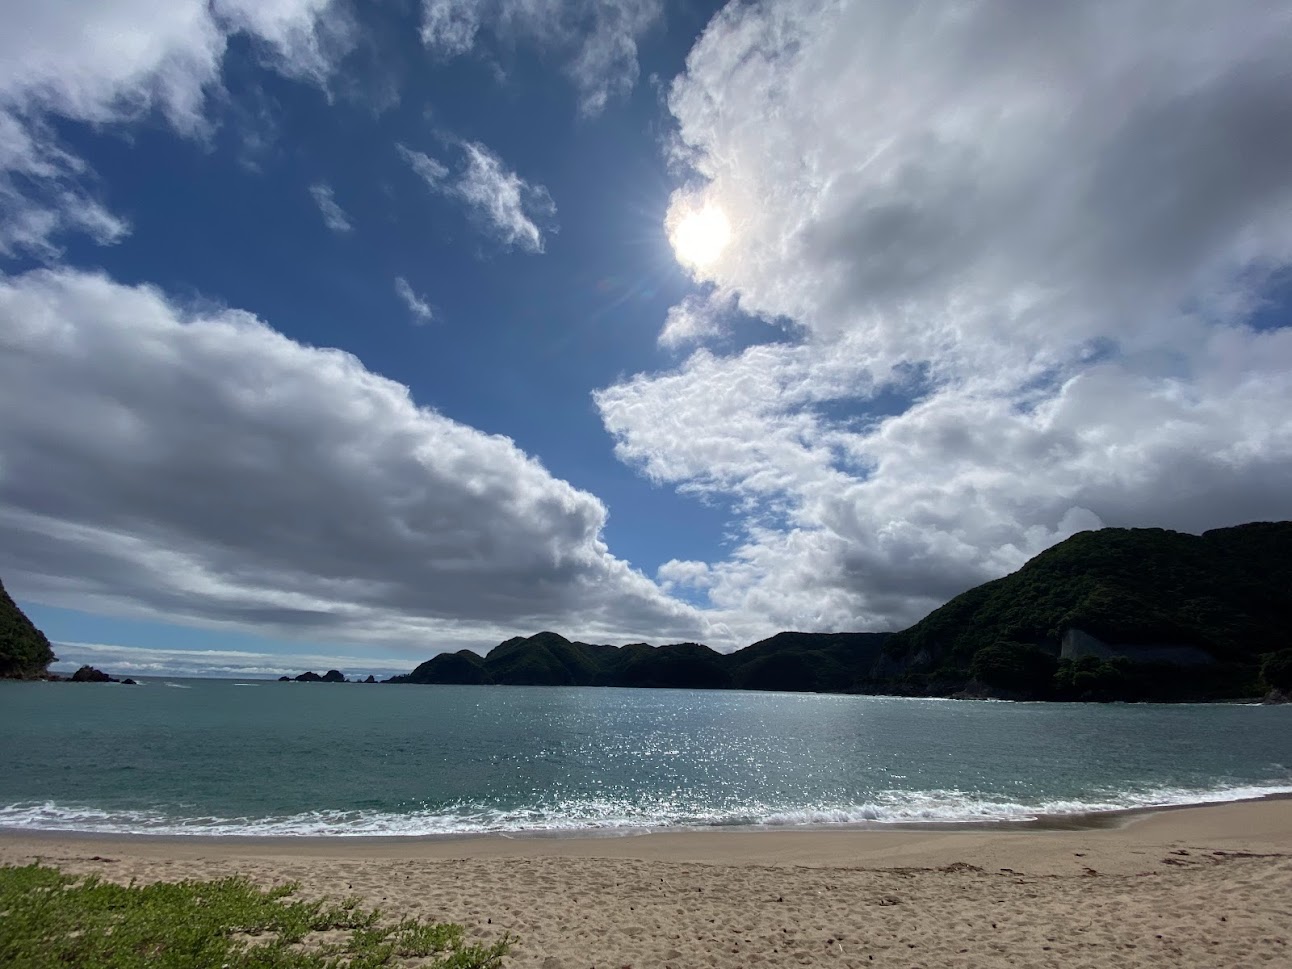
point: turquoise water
(255, 757)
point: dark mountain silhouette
(1120, 613)
(787, 661)
(1134, 614)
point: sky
(340, 334)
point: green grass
(50, 919)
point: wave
(178, 686)
(605, 817)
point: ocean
(251, 757)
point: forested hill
(1110, 614)
(809, 662)
(1210, 604)
(24, 650)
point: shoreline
(1076, 821)
(1194, 887)
(1264, 823)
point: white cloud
(1016, 248)
(333, 215)
(432, 172)
(449, 27)
(421, 310)
(597, 41)
(304, 38)
(515, 212)
(123, 661)
(199, 467)
(31, 222)
(511, 205)
(114, 63)
(695, 319)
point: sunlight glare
(700, 235)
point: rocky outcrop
(331, 676)
(88, 674)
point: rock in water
(88, 674)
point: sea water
(217, 757)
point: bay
(266, 758)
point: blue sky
(343, 333)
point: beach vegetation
(50, 919)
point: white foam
(890, 807)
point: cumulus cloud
(114, 63)
(597, 41)
(1017, 251)
(200, 467)
(421, 310)
(333, 215)
(515, 212)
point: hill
(1114, 614)
(1131, 613)
(788, 661)
(24, 650)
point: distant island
(331, 676)
(1135, 614)
(1115, 614)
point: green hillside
(24, 650)
(1115, 614)
(1226, 593)
(789, 661)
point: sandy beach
(1206, 886)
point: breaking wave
(610, 817)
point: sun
(699, 234)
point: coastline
(1094, 818)
(1256, 825)
(1188, 886)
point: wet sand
(1208, 886)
